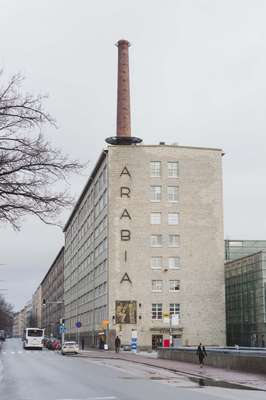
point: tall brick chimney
(123, 127)
(123, 123)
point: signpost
(134, 341)
(78, 325)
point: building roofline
(241, 258)
(53, 263)
(175, 146)
(87, 185)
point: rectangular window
(156, 285)
(172, 193)
(156, 240)
(174, 286)
(173, 169)
(157, 311)
(174, 262)
(174, 309)
(173, 218)
(155, 218)
(173, 240)
(156, 262)
(155, 168)
(156, 193)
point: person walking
(201, 353)
(117, 344)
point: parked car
(70, 347)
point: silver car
(70, 348)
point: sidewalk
(192, 370)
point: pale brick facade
(101, 269)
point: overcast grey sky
(197, 70)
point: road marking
(94, 398)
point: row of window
(156, 218)
(157, 285)
(86, 319)
(157, 310)
(172, 169)
(88, 204)
(172, 240)
(172, 262)
(172, 193)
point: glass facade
(245, 292)
(240, 248)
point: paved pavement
(47, 375)
(189, 369)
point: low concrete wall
(234, 360)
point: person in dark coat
(117, 344)
(201, 353)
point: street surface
(47, 375)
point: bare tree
(30, 168)
(6, 315)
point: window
(174, 286)
(156, 240)
(174, 309)
(174, 262)
(173, 169)
(155, 168)
(156, 262)
(172, 192)
(156, 193)
(155, 218)
(173, 218)
(156, 285)
(173, 240)
(157, 311)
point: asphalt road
(46, 375)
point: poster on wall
(126, 312)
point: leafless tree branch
(30, 168)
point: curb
(179, 372)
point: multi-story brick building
(52, 289)
(37, 308)
(144, 244)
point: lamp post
(45, 303)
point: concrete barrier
(226, 359)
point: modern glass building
(245, 291)
(239, 248)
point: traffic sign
(78, 324)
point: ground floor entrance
(157, 341)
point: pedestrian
(262, 341)
(82, 343)
(201, 353)
(117, 344)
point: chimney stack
(123, 123)
(123, 127)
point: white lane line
(94, 398)
(12, 352)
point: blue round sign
(78, 324)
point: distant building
(245, 283)
(37, 308)
(144, 243)
(52, 290)
(18, 324)
(239, 248)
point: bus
(33, 338)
